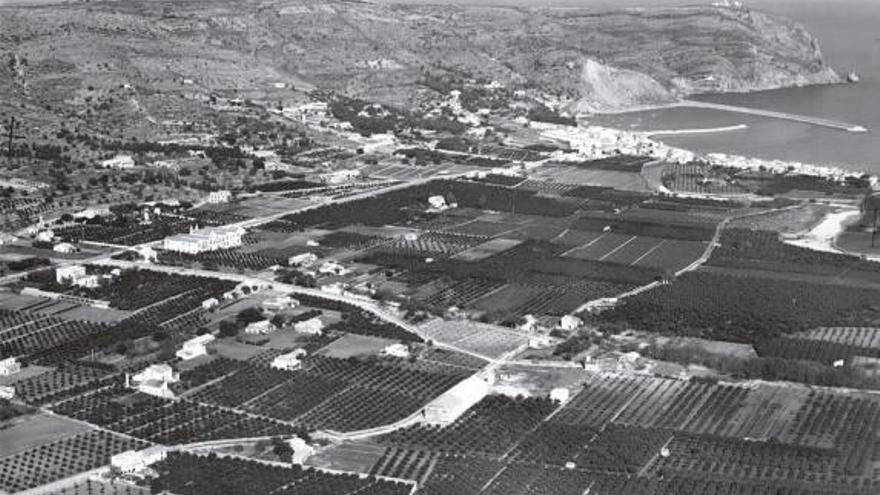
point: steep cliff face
(605, 88)
(698, 50)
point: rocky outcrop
(607, 89)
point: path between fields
(697, 263)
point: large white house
(290, 361)
(132, 461)
(76, 275)
(195, 347)
(261, 327)
(204, 240)
(154, 380)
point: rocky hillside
(588, 60)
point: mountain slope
(592, 60)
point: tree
(281, 449)
(279, 320)
(249, 315)
(228, 328)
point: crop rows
(187, 474)
(699, 178)
(129, 234)
(60, 459)
(165, 421)
(862, 337)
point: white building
(449, 406)
(340, 176)
(530, 323)
(312, 326)
(7, 392)
(88, 281)
(119, 162)
(260, 327)
(9, 366)
(570, 322)
(308, 113)
(195, 347)
(301, 450)
(279, 303)
(539, 341)
(45, 236)
(69, 274)
(154, 380)
(560, 394)
(438, 202)
(204, 240)
(290, 361)
(396, 350)
(210, 303)
(332, 268)
(132, 461)
(302, 259)
(217, 197)
(64, 248)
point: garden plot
(488, 340)
(486, 249)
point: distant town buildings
(309, 113)
(217, 197)
(154, 380)
(204, 240)
(9, 366)
(118, 162)
(195, 347)
(22, 184)
(290, 361)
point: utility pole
(10, 136)
(874, 229)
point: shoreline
(599, 142)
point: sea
(849, 35)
